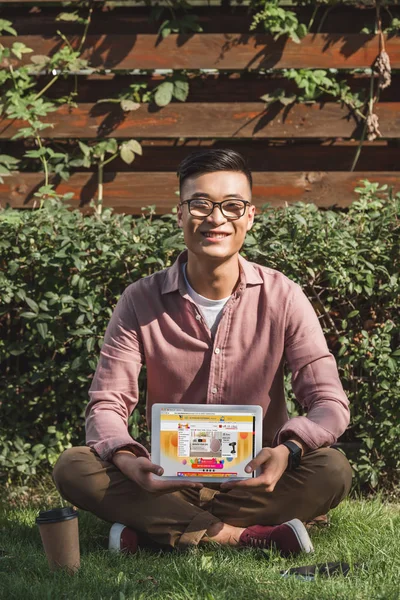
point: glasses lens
(200, 208)
(233, 209)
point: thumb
(260, 459)
(150, 467)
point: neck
(213, 281)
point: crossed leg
(182, 518)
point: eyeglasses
(231, 209)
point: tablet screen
(206, 444)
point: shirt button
(214, 390)
(217, 350)
(198, 317)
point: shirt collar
(174, 277)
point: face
(215, 236)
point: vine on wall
(20, 98)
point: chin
(217, 253)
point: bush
(62, 273)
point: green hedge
(62, 273)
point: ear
(251, 215)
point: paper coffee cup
(60, 537)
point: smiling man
(215, 329)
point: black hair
(209, 161)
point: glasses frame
(214, 204)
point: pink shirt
(267, 321)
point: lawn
(364, 533)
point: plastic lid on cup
(55, 515)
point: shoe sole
(301, 534)
(114, 538)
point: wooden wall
(300, 152)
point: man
(213, 328)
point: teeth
(215, 235)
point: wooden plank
(128, 192)
(123, 20)
(262, 155)
(218, 51)
(213, 19)
(233, 87)
(213, 120)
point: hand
(272, 463)
(142, 471)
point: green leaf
(18, 49)
(300, 219)
(126, 154)
(76, 363)
(42, 329)
(134, 146)
(69, 17)
(295, 37)
(286, 100)
(90, 344)
(7, 26)
(32, 304)
(83, 331)
(36, 153)
(40, 59)
(164, 92)
(129, 105)
(302, 30)
(374, 479)
(8, 160)
(353, 313)
(84, 148)
(181, 90)
(79, 162)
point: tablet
(210, 442)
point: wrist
(298, 444)
(284, 450)
(295, 454)
(285, 453)
(121, 456)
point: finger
(259, 460)
(149, 467)
(173, 486)
(245, 483)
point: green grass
(363, 533)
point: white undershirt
(210, 309)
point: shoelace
(259, 542)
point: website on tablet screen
(207, 444)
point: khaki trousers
(180, 519)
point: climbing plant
(21, 98)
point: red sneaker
(122, 539)
(289, 538)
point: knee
(66, 471)
(337, 471)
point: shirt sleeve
(114, 391)
(315, 379)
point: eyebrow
(205, 195)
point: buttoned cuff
(313, 435)
(107, 449)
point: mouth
(214, 235)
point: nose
(216, 216)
